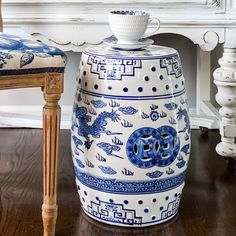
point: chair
(24, 64)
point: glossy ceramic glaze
(130, 135)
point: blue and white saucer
(113, 42)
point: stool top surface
(153, 51)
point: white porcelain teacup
(130, 26)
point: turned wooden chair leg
(51, 131)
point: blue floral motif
(155, 174)
(4, 57)
(128, 110)
(12, 45)
(107, 170)
(98, 103)
(79, 163)
(26, 59)
(171, 106)
(9, 42)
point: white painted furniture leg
(225, 80)
(206, 116)
(203, 77)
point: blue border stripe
(133, 97)
(32, 71)
(116, 186)
(120, 56)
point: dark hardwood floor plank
(20, 160)
(208, 205)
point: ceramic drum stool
(130, 135)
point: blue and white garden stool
(130, 135)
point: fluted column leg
(225, 80)
(51, 129)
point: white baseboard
(204, 119)
(31, 117)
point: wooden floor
(208, 205)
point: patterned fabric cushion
(24, 56)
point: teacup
(130, 26)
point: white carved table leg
(203, 77)
(225, 80)
(207, 116)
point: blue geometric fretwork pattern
(113, 212)
(113, 69)
(172, 208)
(172, 65)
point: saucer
(113, 42)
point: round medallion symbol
(147, 147)
(143, 147)
(170, 148)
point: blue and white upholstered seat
(23, 56)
